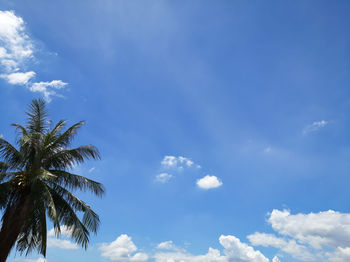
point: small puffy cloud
(166, 245)
(91, 169)
(16, 53)
(179, 162)
(314, 126)
(163, 178)
(209, 182)
(18, 78)
(122, 249)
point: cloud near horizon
(16, 54)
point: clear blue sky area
(221, 124)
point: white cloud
(15, 43)
(276, 259)
(47, 88)
(327, 228)
(60, 243)
(54, 242)
(16, 51)
(209, 182)
(179, 162)
(18, 78)
(168, 245)
(340, 255)
(323, 236)
(234, 250)
(40, 259)
(163, 177)
(91, 169)
(122, 249)
(290, 247)
(213, 255)
(65, 232)
(314, 126)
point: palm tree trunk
(13, 221)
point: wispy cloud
(174, 164)
(178, 162)
(163, 178)
(314, 126)
(16, 54)
(209, 182)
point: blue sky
(221, 124)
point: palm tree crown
(35, 183)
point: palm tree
(35, 183)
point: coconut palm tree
(36, 183)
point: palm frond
(37, 116)
(20, 129)
(64, 139)
(9, 153)
(68, 217)
(70, 157)
(74, 181)
(90, 219)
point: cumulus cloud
(290, 247)
(16, 53)
(122, 249)
(61, 243)
(163, 177)
(314, 126)
(209, 182)
(323, 236)
(65, 232)
(327, 228)
(233, 250)
(340, 255)
(54, 242)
